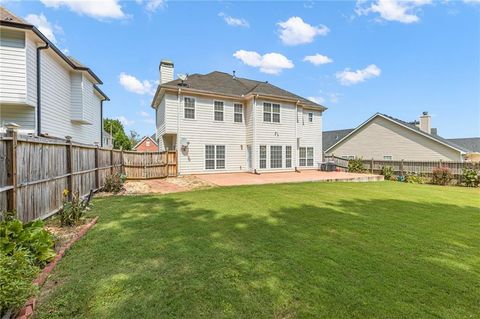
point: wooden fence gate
(34, 171)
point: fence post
(69, 166)
(401, 167)
(12, 129)
(122, 165)
(97, 172)
(145, 165)
(371, 166)
(111, 162)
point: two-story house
(43, 90)
(222, 123)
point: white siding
(13, 80)
(171, 110)
(31, 72)
(76, 97)
(160, 121)
(383, 137)
(22, 115)
(310, 133)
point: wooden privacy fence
(34, 172)
(402, 167)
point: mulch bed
(66, 237)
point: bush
(114, 183)
(356, 165)
(470, 177)
(30, 238)
(387, 172)
(414, 178)
(441, 176)
(16, 276)
(73, 209)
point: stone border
(29, 307)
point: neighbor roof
(330, 138)
(472, 144)
(143, 139)
(225, 84)
(406, 125)
(8, 19)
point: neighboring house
(146, 144)
(223, 123)
(383, 137)
(44, 91)
(107, 140)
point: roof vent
(233, 75)
(8, 19)
(425, 113)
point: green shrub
(441, 175)
(414, 178)
(114, 183)
(470, 177)
(356, 166)
(387, 172)
(30, 238)
(16, 276)
(73, 209)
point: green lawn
(319, 250)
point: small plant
(470, 177)
(16, 276)
(30, 238)
(73, 209)
(356, 165)
(387, 172)
(114, 183)
(441, 175)
(414, 178)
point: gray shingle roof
(331, 137)
(472, 144)
(225, 84)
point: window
(218, 106)
(310, 117)
(147, 143)
(348, 157)
(288, 156)
(238, 113)
(214, 156)
(387, 157)
(306, 156)
(271, 112)
(276, 157)
(263, 156)
(189, 107)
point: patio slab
(231, 179)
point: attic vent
(8, 19)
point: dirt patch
(166, 185)
(63, 235)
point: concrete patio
(231, 179)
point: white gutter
(296, 134)
(177, 139)
(254, 114)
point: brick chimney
(426, 123)
(166, 71)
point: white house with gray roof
(383, 137)
(44, 91)
(223, 123)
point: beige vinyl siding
(160, 121)
(171, 108)
(383, 137)
(13, 78)
(22, 115)
(310, 133)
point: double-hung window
(218, 106)
(288, 156)
(310, 117)
(275, 156)
(306, 156)
(238, 113)
(387, 157)
(189, 106)
(271, 112)
(214, 156)
(309, 156)
(263, 156)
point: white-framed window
(218, 110)
(263, 156)
(214, 156)
(271, 112)
(387, 157)
(348, 157)
(276, 156)
(238, 113)
(189, 106)
(147, 143)
(310, 117)
(306, 156)
(288, 156)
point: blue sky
(356, 58)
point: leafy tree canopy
(120, 139)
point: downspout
(177, 141)
(39, 91)
(101, 122)
(254, 113)
(296, 136)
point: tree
(120, 139)
(134, 137)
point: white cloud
(42, 24)
(105, 9)
(147, 117)
(403, 11)
(234, 22)
(152, 5)
(125, 121)
(347, 77)
(132, 84)
(316, 99)
(271, 63)
(295, 31)
(317, 59)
